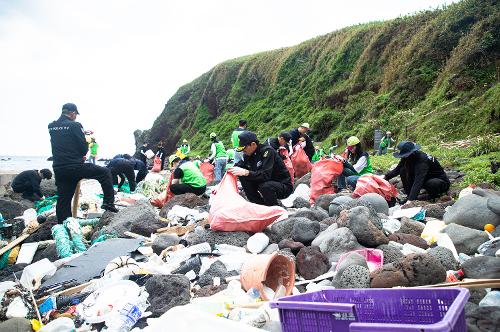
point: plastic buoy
(489, 228)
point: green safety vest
(220, 151)
(185, 148)
(318, 154)
(192, 175)
(93, 149)
(235, 138)
(368, 168)
(385, 142)
(230, 153)
(197, 163)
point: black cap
(70, 107)
(286, 136)
(245, 138)
(405, 148)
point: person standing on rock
(301, 133)
(187, 177)
(28, 183)
(219, 156)
(418, 170)
(122, 168)
(242, 126)
(69, 149)
(262, 173)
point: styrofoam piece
(26, 253)
(408, 213)
(302, 191)
(37, 271)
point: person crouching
(187, 177)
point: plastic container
(375, 310)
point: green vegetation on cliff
(430, 77)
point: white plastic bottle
(124, 319)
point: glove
(238, 171)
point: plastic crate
(374, 310)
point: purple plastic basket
(375, 310)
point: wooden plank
(13, 243)
(76, 199)
(468, 283)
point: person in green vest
(230, 158)
(187, 178)
(318, 153)
(185, 148)
(358, 163)
(218, 156)
(93, 146)
(242, 126)
(197, 161)
(385, 143)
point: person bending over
(122, 168)
(187, 178)
(28, 183)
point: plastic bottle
(492, 299)
(124, 319)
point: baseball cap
(306, 125)
(245, 138)
(70, 107)
(212, 135)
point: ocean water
(16, 164)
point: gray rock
(305, 231)
(402, 238)
(473, 211)
(238, 239)
(352, 258)
(271, 248)
(300, 202)
(217, 269)
(306, 179)
(139, 218)
(466, 240)
(11, 209)
(48, 187)
(166, 292)
(324, 201)
(378, 202)
(288, 253)
(314, 213)
(311, 262)
(410, 226)
(16, 325)
(323, 227)
(163, 241)
(437, 210)
(445, 257)
(188, 200)
(283, 229)
(354, 276)
(338, 204)
(337, 242)
(482, 267)
(366, 226)
(329, 221)
(391, 254)
(477, 294)
(323, 235)
(480, 319)
(50, 253)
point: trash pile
(217, 262)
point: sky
(120, 61)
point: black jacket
(415, 170)
(28, 179)
(265, 165)
(309, 149)
(68, 142)
(141, 167)
(275, 144)
(125, 167)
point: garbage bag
(208, 171)
(288, 163)
(164, 197)
(370, 183)
(230, 212)
(156, 165)
(322, 175)
(301, 163)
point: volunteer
(262, 173)
(185, 148)
(358, 163)
(69, 149)
(218, 156)
(122, 168)
(187, 178)
(141, 153)
(160, 153)
(300, 134)
(319, 153)
(93, 146)
(283, 141)
(418, 170)
(28, 183)
(385, 143)
(242, 126)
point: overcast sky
(120, 61)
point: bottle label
(132, 312)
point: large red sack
(164, 197)
(156, 165)
(301, 163)
(370, 183)
(288, 163)
(322, 175)
(229, 212)
(208, 171)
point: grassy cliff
(430, 77)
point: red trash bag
(322, 175)
(208, 172)
(229, 212)
(370, 183)
(288, 163)
(301, 163)
(164, 197)
(156, 165)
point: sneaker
(109, 207)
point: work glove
(238, 171)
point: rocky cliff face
(431, 76)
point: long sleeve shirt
(28, 179)
(68, 142)
(265, 165)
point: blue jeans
(220, 167)
(351, 181)
(92, 159)
(238, 156)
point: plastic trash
(390, 225)
(208, 171)
(432, 230)
(323, 173)
(257, 243)
(59, 325)
(374, 258)
(411, 249)
(27, 252)
(300, 161)
(492, 299)
(29, 217)
(125, 318)
(36, 271)
(408, 213)
(302, 191)
(288, 163)
(157, 165)
(490, 247)
(370, 183)
(253, 317)
(149, 154)
(17, 308)
(444, 240)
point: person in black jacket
(262, 173)
(28, 183)
(301, 134)
(161, 153)
(418, 170)
(141, 168)
(69, 148)
(122, 168)
(281, 142)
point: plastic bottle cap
(489, 228)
